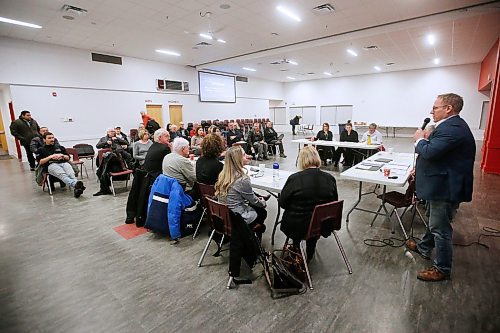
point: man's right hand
(109, 142)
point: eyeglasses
(434, 108)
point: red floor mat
(129, 231)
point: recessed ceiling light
(275, 34)
(290, 78)
(377, 68)
(390, 63)
(351, 52)
(24, 24)
(431, 39)
(291, 62)
(288, 13)
(225, 6)
(249, 69)
(68, 17)
(169, 52)
(221, 41)
(327, 73)
(436, 61)
(207, 36)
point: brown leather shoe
(412, 246)
(432, 274)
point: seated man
(272, 139)
(233, 134)
(177, 164)
(37, 142)
(160, 148)
(173, 131)
(118, 145)
(257, 144)
(372, 136)
(119, 134)
(182, 132)
(55, 161)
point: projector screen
(217, 88)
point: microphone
(426, 121)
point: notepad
(368, 167)
(383, 160)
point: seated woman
(325, 135)
(141, 147)
(301, 193)
(235, 189)
(347, 135)
(208, 166)
(196, 141)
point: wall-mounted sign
(174, 102)
(148, 101)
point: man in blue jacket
(444, 178)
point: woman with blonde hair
(302, 192)
(140, 148)
(235, 189)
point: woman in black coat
(208, 166)
(325, 152)
(302, 192)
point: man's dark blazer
(445, 163)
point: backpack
(152, 126)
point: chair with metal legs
(325, 217)
(205, 191)
(220, 223)
(405, 200)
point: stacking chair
(327, 216)
(220, 222)
(204, 191)
(76, 160)
(402, 200)
(125, 172)
(85, 151)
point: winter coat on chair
(167, 201)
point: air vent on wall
(74, 10)
(324, 9)
(106, 58)
(241, 78)
(162, 84)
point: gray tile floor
(64, 269)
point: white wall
(98, 95)
(398, 98)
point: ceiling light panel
(377, 68)
(351, 52)
(172, 53)
(288, 13)
(327, 73)
(21, 23)
(249, 69)
(206, 36)
(290, 78)
(291, 62)
(431, 39)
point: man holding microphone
(444, 178)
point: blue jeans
(63, 171)
(439, 234)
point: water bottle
(276, 174)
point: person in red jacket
(145, 118)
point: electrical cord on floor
(391, 242)
(492, 233)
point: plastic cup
(262, 168)
(387, 172)
(191, 157)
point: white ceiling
(318, 43)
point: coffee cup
(387, 172)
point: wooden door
(156, 111)
(175, 112)
(3, 141)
